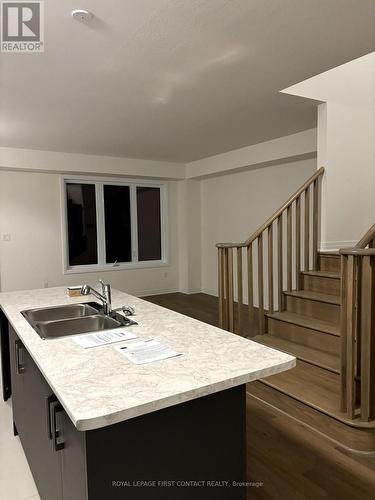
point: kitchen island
(96, 426)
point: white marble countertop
(99, 386)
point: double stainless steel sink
(73, 319)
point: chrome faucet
(106, 292)
(104, 297)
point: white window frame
(99, 182)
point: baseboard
(215, 294)
(209, 292)
(190, 291)
(334, 246)
(150, 293)
(206, 291)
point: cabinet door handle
(56, 407)
(49, 400)
(19, 368)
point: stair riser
(321, 284)
(331, 263)
(304, 336)
(313, 309)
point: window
(148, 219)
(113, 224)
(118, 239)
(81, 215)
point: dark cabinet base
(5, 356)
(195, 450)
(30, 396)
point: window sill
(120, 267)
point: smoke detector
(83, 16)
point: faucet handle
(85, 290)
(127, 310)
(103, 285)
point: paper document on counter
(147, 351)
(103, 338)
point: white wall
(301, 145)
(189, 235)
(200, 210)
(348, 198)
(346, 147)
(30, 212)
(50, 161)
(235, 205)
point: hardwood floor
(198, 305)
(286, 458)
(295, 463)
(203, 307)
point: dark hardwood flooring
(286, 459)
(205, 308)
(296, 463)
(198, 305)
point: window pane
(117, 224)
(81, 212)
(149, 224)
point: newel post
(221, 287)
(367, 321)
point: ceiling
(175, 80)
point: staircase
(324, 315)
(309, 325)
(309, 329)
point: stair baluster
(280, 261)
(270, 268)
(298, 242)
(239, 290)
(307, 230)
(250, 285)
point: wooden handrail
(367, 238)
(231, 245)
(277, 214)
(357, 251)
(301, 214)
(358, 328)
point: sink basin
(61, 312)
(73, 319)
(86, 324)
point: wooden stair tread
(322, 274)
(318, 297)
(353, 439)
(306, 321)
(308, 354)
(309, 384)
(315, 387)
